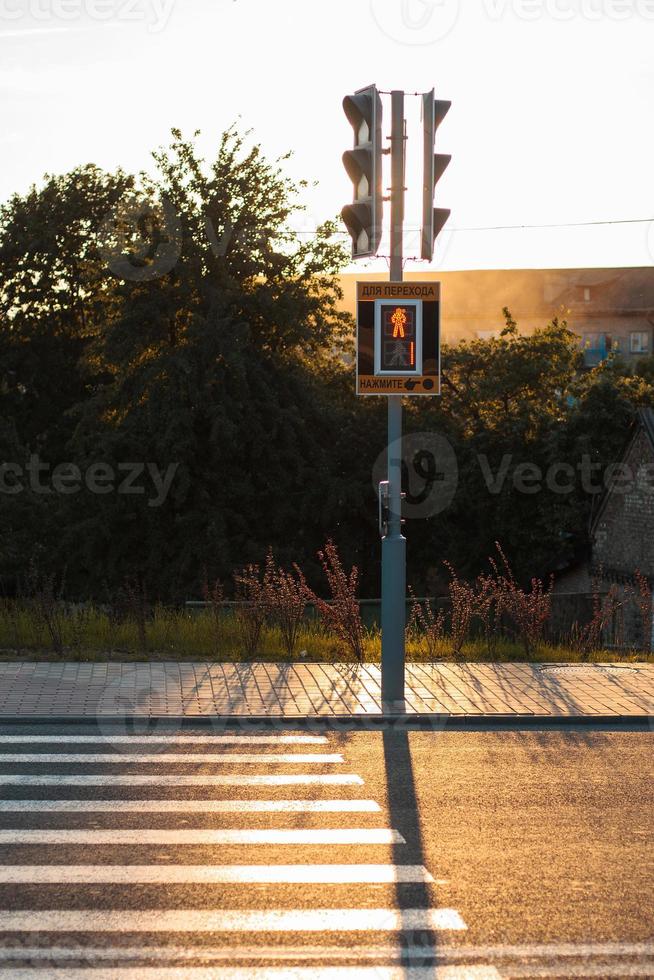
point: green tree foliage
(223, 368)
(514, 407)
(54, 298)
(177, 322)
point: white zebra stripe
(241, 920)
(224, 758)
(189, 806)
(262, 973)
(305, 779)
(166, 739)
(158, 874)
(219, 836)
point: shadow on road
(418, 946)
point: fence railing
(625, 627)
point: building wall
(623, 539)
(574, 581)
(600, 306)
(603, 332)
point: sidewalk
(503, 693)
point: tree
(55, 297)
(222, 367)
(515, 407)
(179, 323)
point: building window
(586, 295)
(598, 346)
(639, 342)
(601, 343)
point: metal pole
(397, 184)
(394, 544)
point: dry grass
(91, 634)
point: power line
(570, 224)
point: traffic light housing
(364, 217)
(433, 219)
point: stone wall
(623, 539)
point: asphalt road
(363, 855)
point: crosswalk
(209, 779)
(86, 890)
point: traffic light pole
(363, 220)
(394, 543)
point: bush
(133, 600)
(342, 614)
(286, 601)
(214, 595)
(489, 611)
(47, 605)
(528, 612)
(251, 610)
(428, 624)
(464, 607)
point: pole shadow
(418, 947)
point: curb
(369, 722)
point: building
(622, 534)
(609, 309)
(621, 566)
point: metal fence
(626, 627)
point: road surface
(292, 855)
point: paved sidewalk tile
(298, 690)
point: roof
(534, 293)
(611, 290)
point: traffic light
(398, 338)
(399, 341)
(364, 217)
(433, 219)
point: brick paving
(281, 690)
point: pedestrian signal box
(398, 338)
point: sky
(551, 120)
